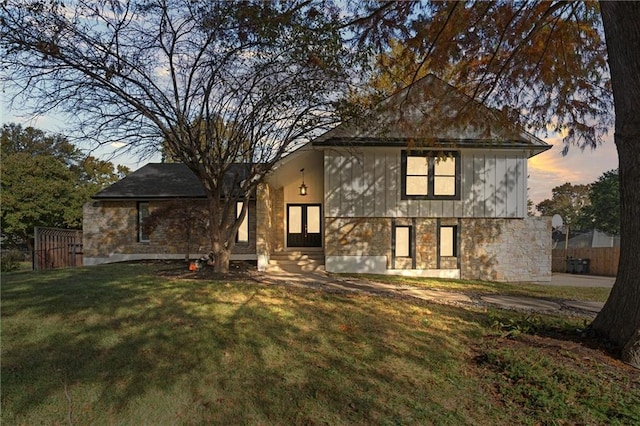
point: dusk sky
(551, 169)
(546, 170)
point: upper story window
(428, 175)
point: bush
(10, 260)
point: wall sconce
(303, 187)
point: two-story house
(417, 188)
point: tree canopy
(212, 83)
(568, 201)
(45, 180)
(603, 212)
(542, 63)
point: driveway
(294, 275)
(579, 280)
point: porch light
(303, 187)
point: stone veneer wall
(278, 231)
(110, 233)
(269, 223)
(357, 237)
(506, 250)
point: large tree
(45, 180)
(568, 201)
(214, 82)
(561, 66)
(620, 318)
(603, 211)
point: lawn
(121, 344)
(596, 294)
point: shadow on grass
(105, 337)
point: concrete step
(298, 256)
(297, 260)
(293, 268)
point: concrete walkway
(293, 275)
(578, 280)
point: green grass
(119, 344)
(596, 294)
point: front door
(304, 225)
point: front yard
(122, 344)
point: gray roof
(164, 181)
(156, 180)
(431, 112)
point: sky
(551, 168)
(546, 170)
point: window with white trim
(243, 231)
(430, 175)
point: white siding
(367, 183)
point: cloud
(551, 169)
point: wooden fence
(602, 261)
(57, 248)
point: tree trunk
(220, 247)
(619, 320)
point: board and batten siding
(366, 183)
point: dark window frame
(431, 156)
(409, 242)
(246, 217)
(454, 242)
(142, 237)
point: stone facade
(110, 234)
(269, 223)
(357, 237)
(506, 250)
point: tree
(568, 201)
(603, 213)
(44, 181)
(214, 82)
(619, 320)
(186, 218)
(544, 62)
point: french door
(304, 225)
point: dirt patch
(587, 354)
(238, 270)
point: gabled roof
(164, 180)
(431, 112)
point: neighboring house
(585, 239)
(402, 192)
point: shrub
(10, 260)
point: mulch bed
(238, 270)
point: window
(402, 241)
(429, 175)
(243, 231)
(448, 241)
(143, 212)
(417, 176)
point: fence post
(36, 242)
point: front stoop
(306, 260)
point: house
(414, 189)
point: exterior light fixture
(303, 187)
